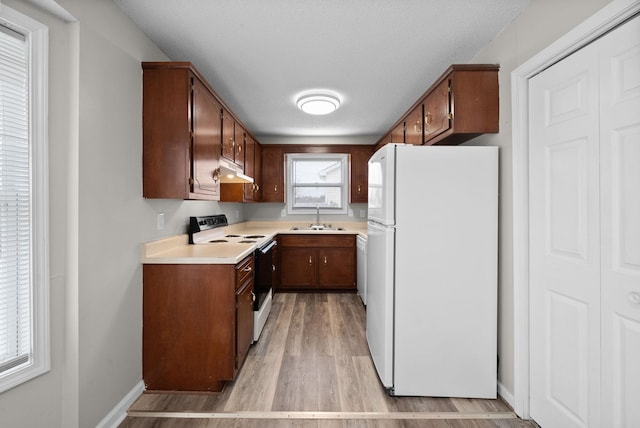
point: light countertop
(177, 250)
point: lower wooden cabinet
(197, 324)
(317, 262)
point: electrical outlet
(160, 221)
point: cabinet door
(228, 135)
(397, 135)
(298, 267)
(206, 137)
(413, 126)
(249, 168)
(359, 175)
(337, 267)
(436, 111)
(238, 148)
(244, 321)
(272, 174)
(257, 172)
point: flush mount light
(318, 103)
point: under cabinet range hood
(231, 173)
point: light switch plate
(160, 221)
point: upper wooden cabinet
(233, 139)
(181, 133)
(462, 104)
(238, 192)
(186, 129)
(413, 126)
(272, 174)
(360, 174)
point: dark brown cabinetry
(250, 192)
(462, 103)
(359, 174)
(272, 174)
(317, 262)
(181, 133)
(197, 324)
(413, 126)
(244, 310)
(232, 139)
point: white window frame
(343, 158)
(37, 38)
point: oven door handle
(266, 249)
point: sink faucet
(317, 214)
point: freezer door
(380, 305)
(382, 186)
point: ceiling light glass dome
(318, 103)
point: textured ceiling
(379, 55)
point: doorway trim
(592, 28)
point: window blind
(15, 202)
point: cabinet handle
(273, 268)
(247, 269)
(216, 175)
(275, 188)
(253, 297)
(416, 127)
(309, 260)
(359, 188)
(634, 297)
(239, 149)
(428, 118)
(325, 260)
(232, 143)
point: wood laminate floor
(311, 368)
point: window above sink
(317, 180)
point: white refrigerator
(431, 320)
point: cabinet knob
(275, 188)
(359, 189)
(416, 127)
(216, 175)
(325, 260)
(428, 118)
(253, 297)
(309, 260)
(634, 297)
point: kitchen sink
(317, 227)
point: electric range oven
(209, 230)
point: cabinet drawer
(317, 240)
(244, 270)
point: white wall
(98, 216)
(543, 22)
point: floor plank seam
(326, 415)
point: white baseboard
(119, 412)
(506, 395)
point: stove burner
(232, 236)
(254, 236)
(247, 241)
(215, 241)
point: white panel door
(620, 198)
(564, 243)
(585, 236)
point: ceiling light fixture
(318, 103)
